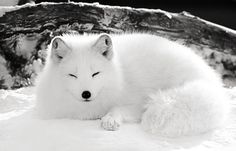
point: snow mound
(20, 131)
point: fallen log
(25, 32)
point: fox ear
(59, 49)
(104, 46)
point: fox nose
(86, 95)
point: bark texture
(25, 32)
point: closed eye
(96, 73)
(72, 75)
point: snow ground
(20, 131)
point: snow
(8, 2)
(21, 130)
(9, 7)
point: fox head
(84, 64)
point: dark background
(222, 12)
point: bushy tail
(193, 108)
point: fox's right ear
(59, 49)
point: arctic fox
(131, 78)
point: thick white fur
(193, 108)
(148, 78)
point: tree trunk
(25, 32)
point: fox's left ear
(104, 46)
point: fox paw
(110, 123)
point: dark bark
(31, 28)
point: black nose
(86, 94)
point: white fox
(131, 78)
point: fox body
(127, 78)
